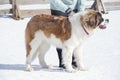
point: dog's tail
(27, 40)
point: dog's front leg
(67, 59)
(79, 58)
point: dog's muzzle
(103, 26)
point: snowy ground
(101, 54)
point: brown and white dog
(66, 33)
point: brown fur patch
(59, 26)
(91, 19)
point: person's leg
(73, 61)
(59, 51)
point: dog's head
(92, 19)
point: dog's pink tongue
(102, 26)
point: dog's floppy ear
(91, 18)
(91, 21)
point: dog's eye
(98, 13)
(100, 21)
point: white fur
(40, 44)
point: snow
(26, 7)
(101, 54)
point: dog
(67, 33)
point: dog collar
(85, 30)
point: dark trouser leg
(59, 51)
(73, 61)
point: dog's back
(59, 26)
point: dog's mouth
(103, 26)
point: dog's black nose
(107, 20)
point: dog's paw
(29, 69)
(71, 70)
(83, 69)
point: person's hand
(72, 13)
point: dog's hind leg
(30, 58)
(34, 44)
(41, 56)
